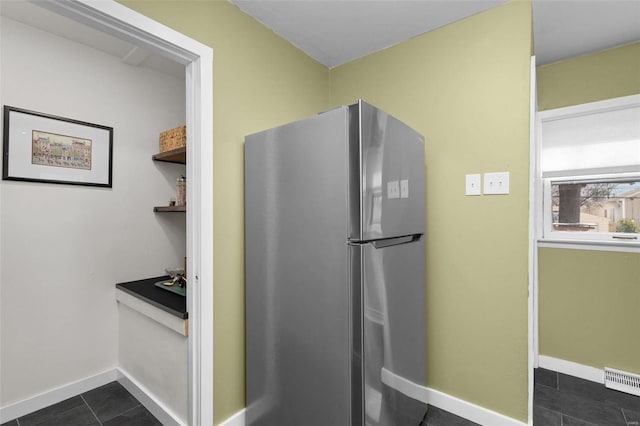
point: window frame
(545, 235)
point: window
(590, 172)
(596, 209)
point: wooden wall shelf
(178, 155)
(170, 209)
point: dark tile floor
(559, 400)
(108, 405)
(400, 410)
(562, 400)
(438, 417)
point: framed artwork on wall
(39, 147)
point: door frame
(115, 19)
(534, 172)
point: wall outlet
(393, 189)
(472, 185)
(496, 183)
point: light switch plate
(496, 183)
(472, 186)
(404, 188)
(393, 189)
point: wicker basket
(173, 138)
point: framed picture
(39, 147)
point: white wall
(63, 247)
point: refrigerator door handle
(387, 242)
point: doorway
(116, 20)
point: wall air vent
(622, 381)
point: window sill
(615, 246)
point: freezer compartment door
(393, 278)
(386, 168)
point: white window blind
(591, 139)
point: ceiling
(567, 28)
(35, 16)
(337, 31)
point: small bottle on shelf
(181, 191)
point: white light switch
(472, 185)
(496, 183)
(393, 189)
(404, 188)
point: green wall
(603, 75)
(588, 300)
(589, 307)
(260, 81)
(466, 88)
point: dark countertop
(161, 299)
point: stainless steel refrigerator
(335, 270)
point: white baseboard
(53, 396)
(571, 368)
(446, 402)
(238, 419)
(148, 400)
(59, 394)
(454, 405)
(469, 411)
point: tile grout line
(629, 423)
(545, 386)
(90, 409)
(132, 408)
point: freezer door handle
(387, 242)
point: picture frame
(39, 147)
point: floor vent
(622, 381)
